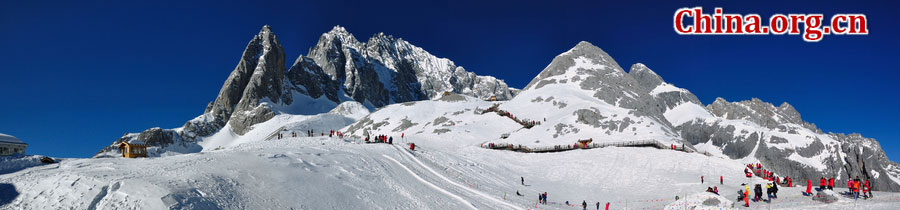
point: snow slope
(330, 173)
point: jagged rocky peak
(760, 112)
(340, 33)
(233, 89)
(575, 65)
(667, 94)
(588, 68)
(386, 70)
(645, 76)
(308, 78)
(265, 85)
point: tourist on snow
(865, 189)
(868, 188)
(774, 190)
(701, 179)
(850, 186)
(583, 205)
(808, 187)
(822, 183)
(391, 140)
(757, 193)
(746, 195)
(721, 180)
(831, 183)
(523, 180)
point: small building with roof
(134, 149)
(10, 145)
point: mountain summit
(382, 71)
(583, 94)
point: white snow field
(448, 170)
(330, 173)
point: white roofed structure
(10, 145)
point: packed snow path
(445, 179)
(525, 123)
(562, 148)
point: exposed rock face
(339, 68)
(309, 79)
(772, 134)
(792, 147)
(584, 94)
(666, 94)
(265, 85)
(759, 112)
(386, 70)
(235, 86)
(596, 71)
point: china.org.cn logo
(692, 21)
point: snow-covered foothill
(699, 201)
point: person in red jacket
(868, 189)
(721, 180)
(808, 187)
(850, 185)
(822, 183)
(865, 189)
(831, 183)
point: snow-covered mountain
(248, 149)
(757, 131)
(776, 136)
(382, 71)
(584, 94)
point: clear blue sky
(76, 75)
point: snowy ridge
(218, 161)
(385, 70)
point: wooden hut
(133, 150)
(584, 143)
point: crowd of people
(856, 185)
(380, 139)
(312, 133)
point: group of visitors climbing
(757, 196)
(380, 139)
(771, 187)
(336, 133)
(524, 122)
(856, 185)
(312, 133)
(542, 199)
